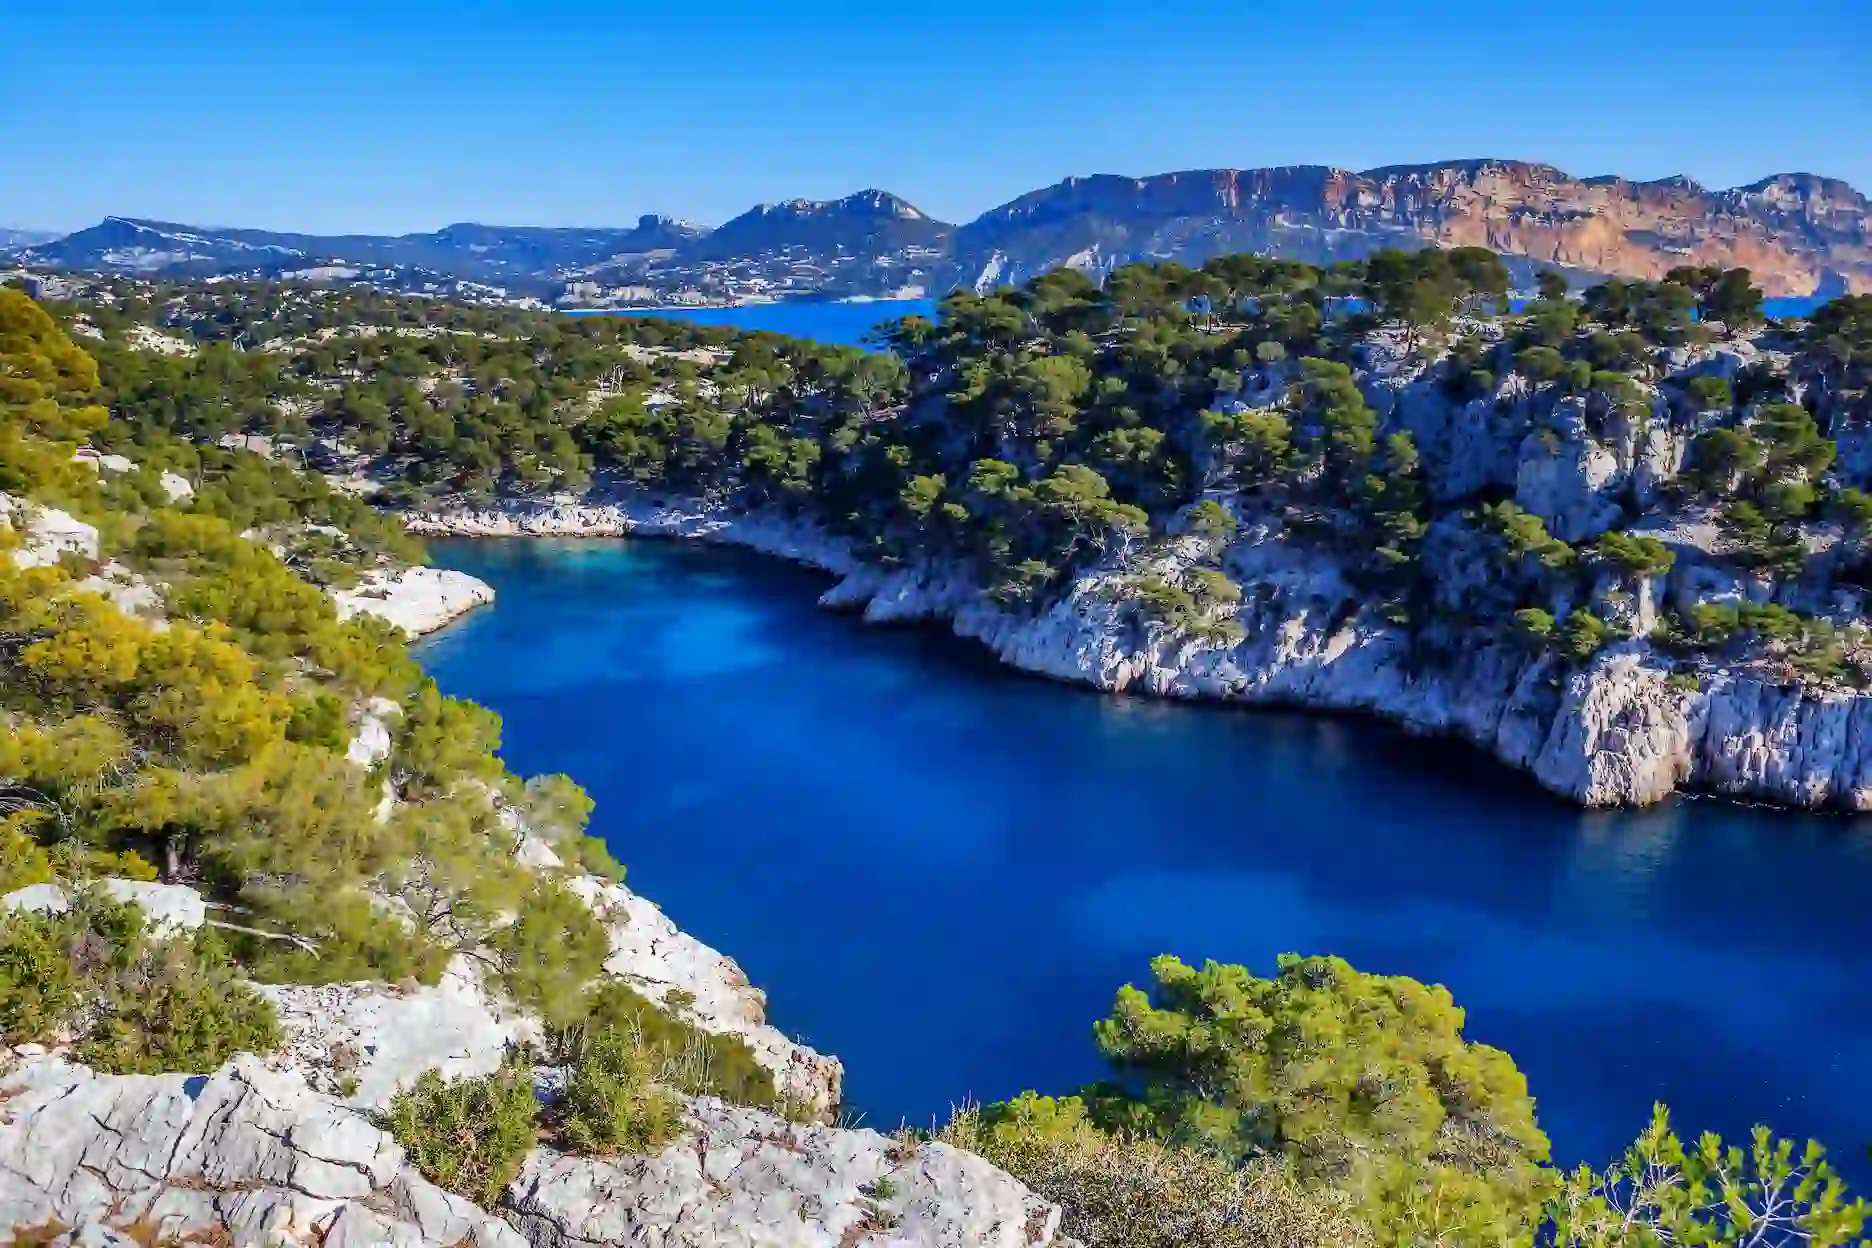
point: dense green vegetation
(1031, 432)
(210, 747)
(1026, 435)
(1325, 1105)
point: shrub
(38, 986)
(469, 1135)
(1710, 393)
(1583, 634)
(697, 1062)
(1533, 626)
(1118, 1192)
(1852, 508)
(1210, 519)
(177, 1005)
(1637, 556)
(1287, 1067)
(356, 940)
(1665, 1192)
(1718, 456)
(1540, 364)
(23, 860)
(551, 952)
(613, 1102)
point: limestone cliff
(1799, 234)
(1630, 727)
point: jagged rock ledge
(416, 600)
(1620, 732)
(248, 1155)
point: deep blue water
(941, 871)
(842, 323)
(848, 323)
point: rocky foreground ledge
(284, 1149)
(250, 1155)
(1619, 732)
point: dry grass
(1121, 1193)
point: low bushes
(697, 1062)
(1132, 1192)
(612, 1100)
(469, 1135)
(132, 1003)
(177, 1005)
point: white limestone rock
(98, 462)
(149, 338)
(371, 743)
(370, 1041)
(169, 908)
(176, 486)
(416, 600)
(742, 1178)
(248, 1155)
(46, 533)
(1622, 735)
(1617, 734)
(1568, 478)
(131, 591)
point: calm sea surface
(941, 871)
(848, 323)
(842, 323)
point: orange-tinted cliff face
(1796, 232)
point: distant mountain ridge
(1797, 232)
(12, 237)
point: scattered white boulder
(131, 591)
(47, 533)
(169, 908)
(148, 338)
(372, 742)
(367, 1042)
(743, 1178)
(101, 463)
(176, 486)
(416, 600)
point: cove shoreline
(1615, 734)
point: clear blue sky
(398, 115)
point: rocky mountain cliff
(1799, 234)
(872, 242)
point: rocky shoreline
(1618, 733)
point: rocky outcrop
(416, 600)
(1799, 234)
(46, 533)
(243, 1156)
(167, 908)
(741, 1178)
(366, 1042)
(248, 1155)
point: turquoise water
(940, 870)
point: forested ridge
(1030, 433)
(208, 736)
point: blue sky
(406, 114)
